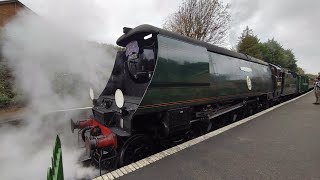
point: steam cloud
(54, 65)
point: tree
(273, 52)
(205, 20)
(270, 51)
(290, 60)
(249, 44)
(300, 71)
(312, 76)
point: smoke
(54, 65)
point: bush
(4, 101)
(18, 101)
(8, 96)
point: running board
(226, 110)
(220, 112)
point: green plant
(56, 171)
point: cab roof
(145, 29)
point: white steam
(54, 67)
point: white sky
(293, 23)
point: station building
(8, 9)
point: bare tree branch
(205, 20)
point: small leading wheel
(104, 159)
(135, 148)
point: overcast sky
(294, 23)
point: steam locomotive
(166, 88)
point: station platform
(282, 142)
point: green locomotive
(165, 87)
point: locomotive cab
(131, 76)
(115, 107)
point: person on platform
(317, 89)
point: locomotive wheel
(267, 105)
(135, 148)
(221, 122)
(250, 111)
(194, 132)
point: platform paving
(281, 144)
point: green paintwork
(56, 171)
(185, 72)
(303, 83)
(227, 78)
(182, 73)
(290, 84)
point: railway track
(18, 120)
(13, 122)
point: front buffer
(100, 142)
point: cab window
(141, 57)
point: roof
(11, 1)
(15, 1)
(146, 29)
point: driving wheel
(135, 148)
